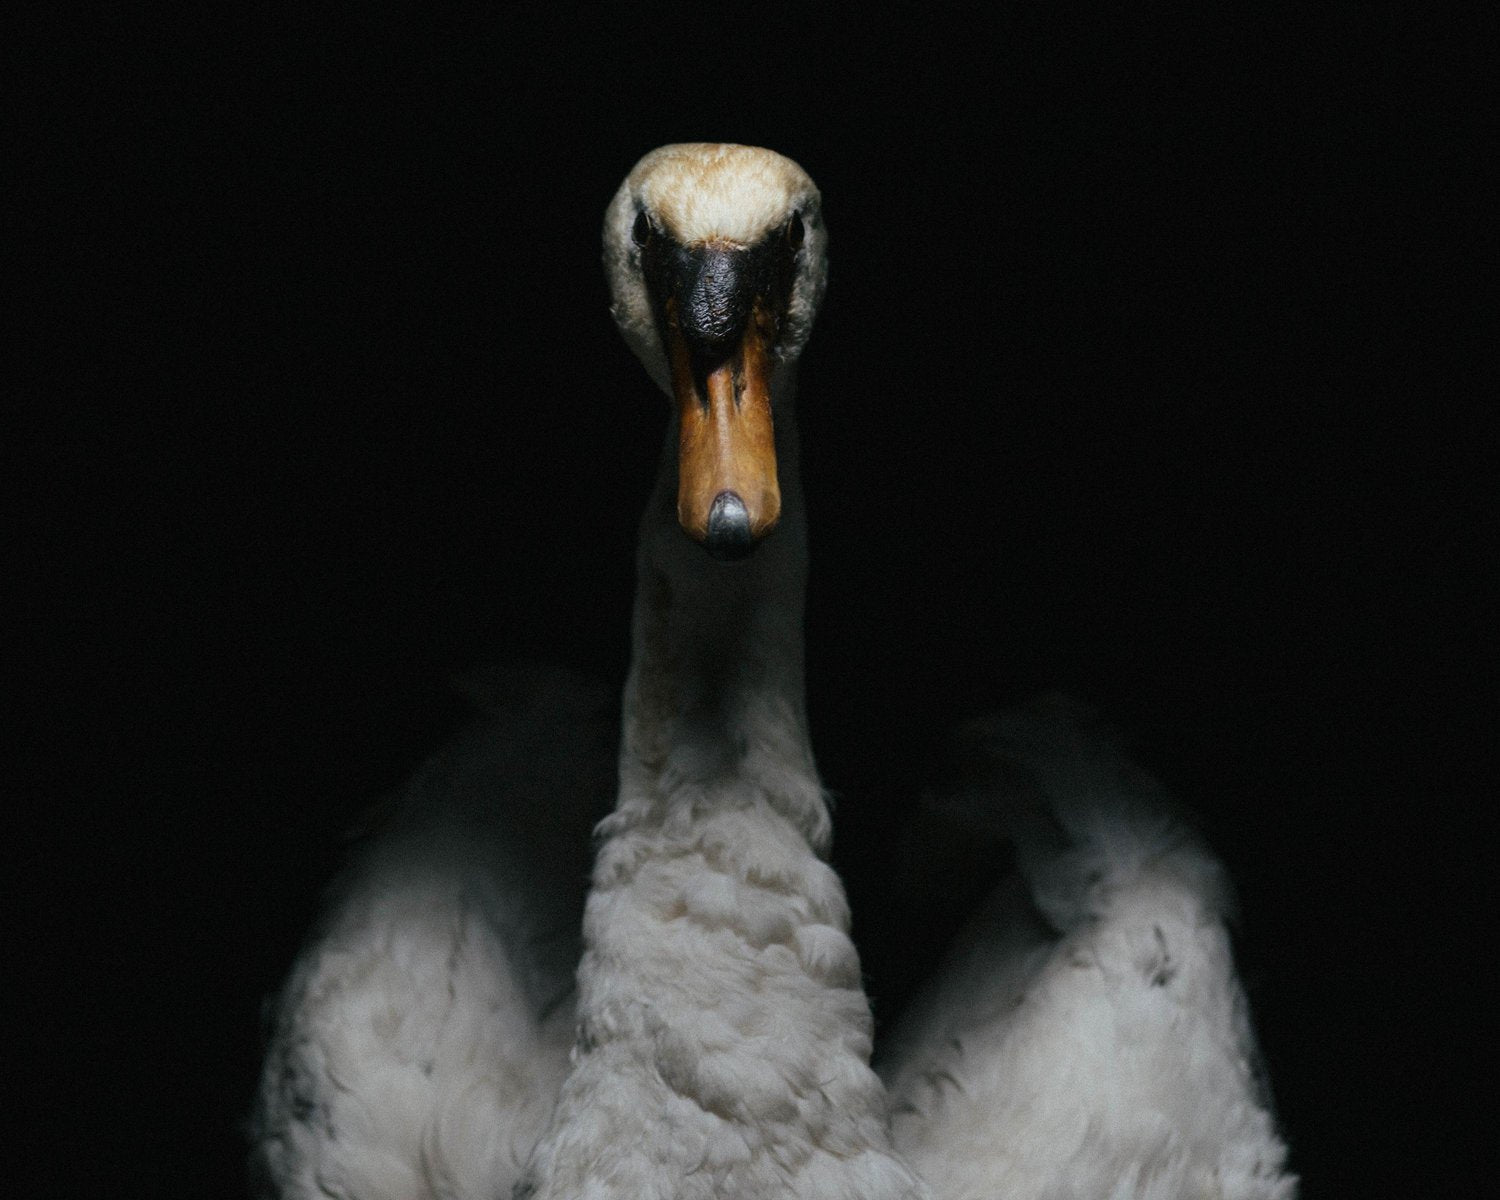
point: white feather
(419, 1044)
(1087, 1036)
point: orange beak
(727, 494)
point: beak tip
(729, 538)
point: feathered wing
(420, 1042)
(1087, 1035)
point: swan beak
(727, 494)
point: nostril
(728, 528)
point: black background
(1143, 371)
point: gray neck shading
(714, 703)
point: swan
(724, 1035)
(1087, 1035)
(419, 1042)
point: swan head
(716, 263)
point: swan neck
(714, 707)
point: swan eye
(795, 231)
(640, 232)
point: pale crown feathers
(698, 192)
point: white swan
(418, 1046)
(1087, 1036)
(724, 1035)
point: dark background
(1143, 371)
